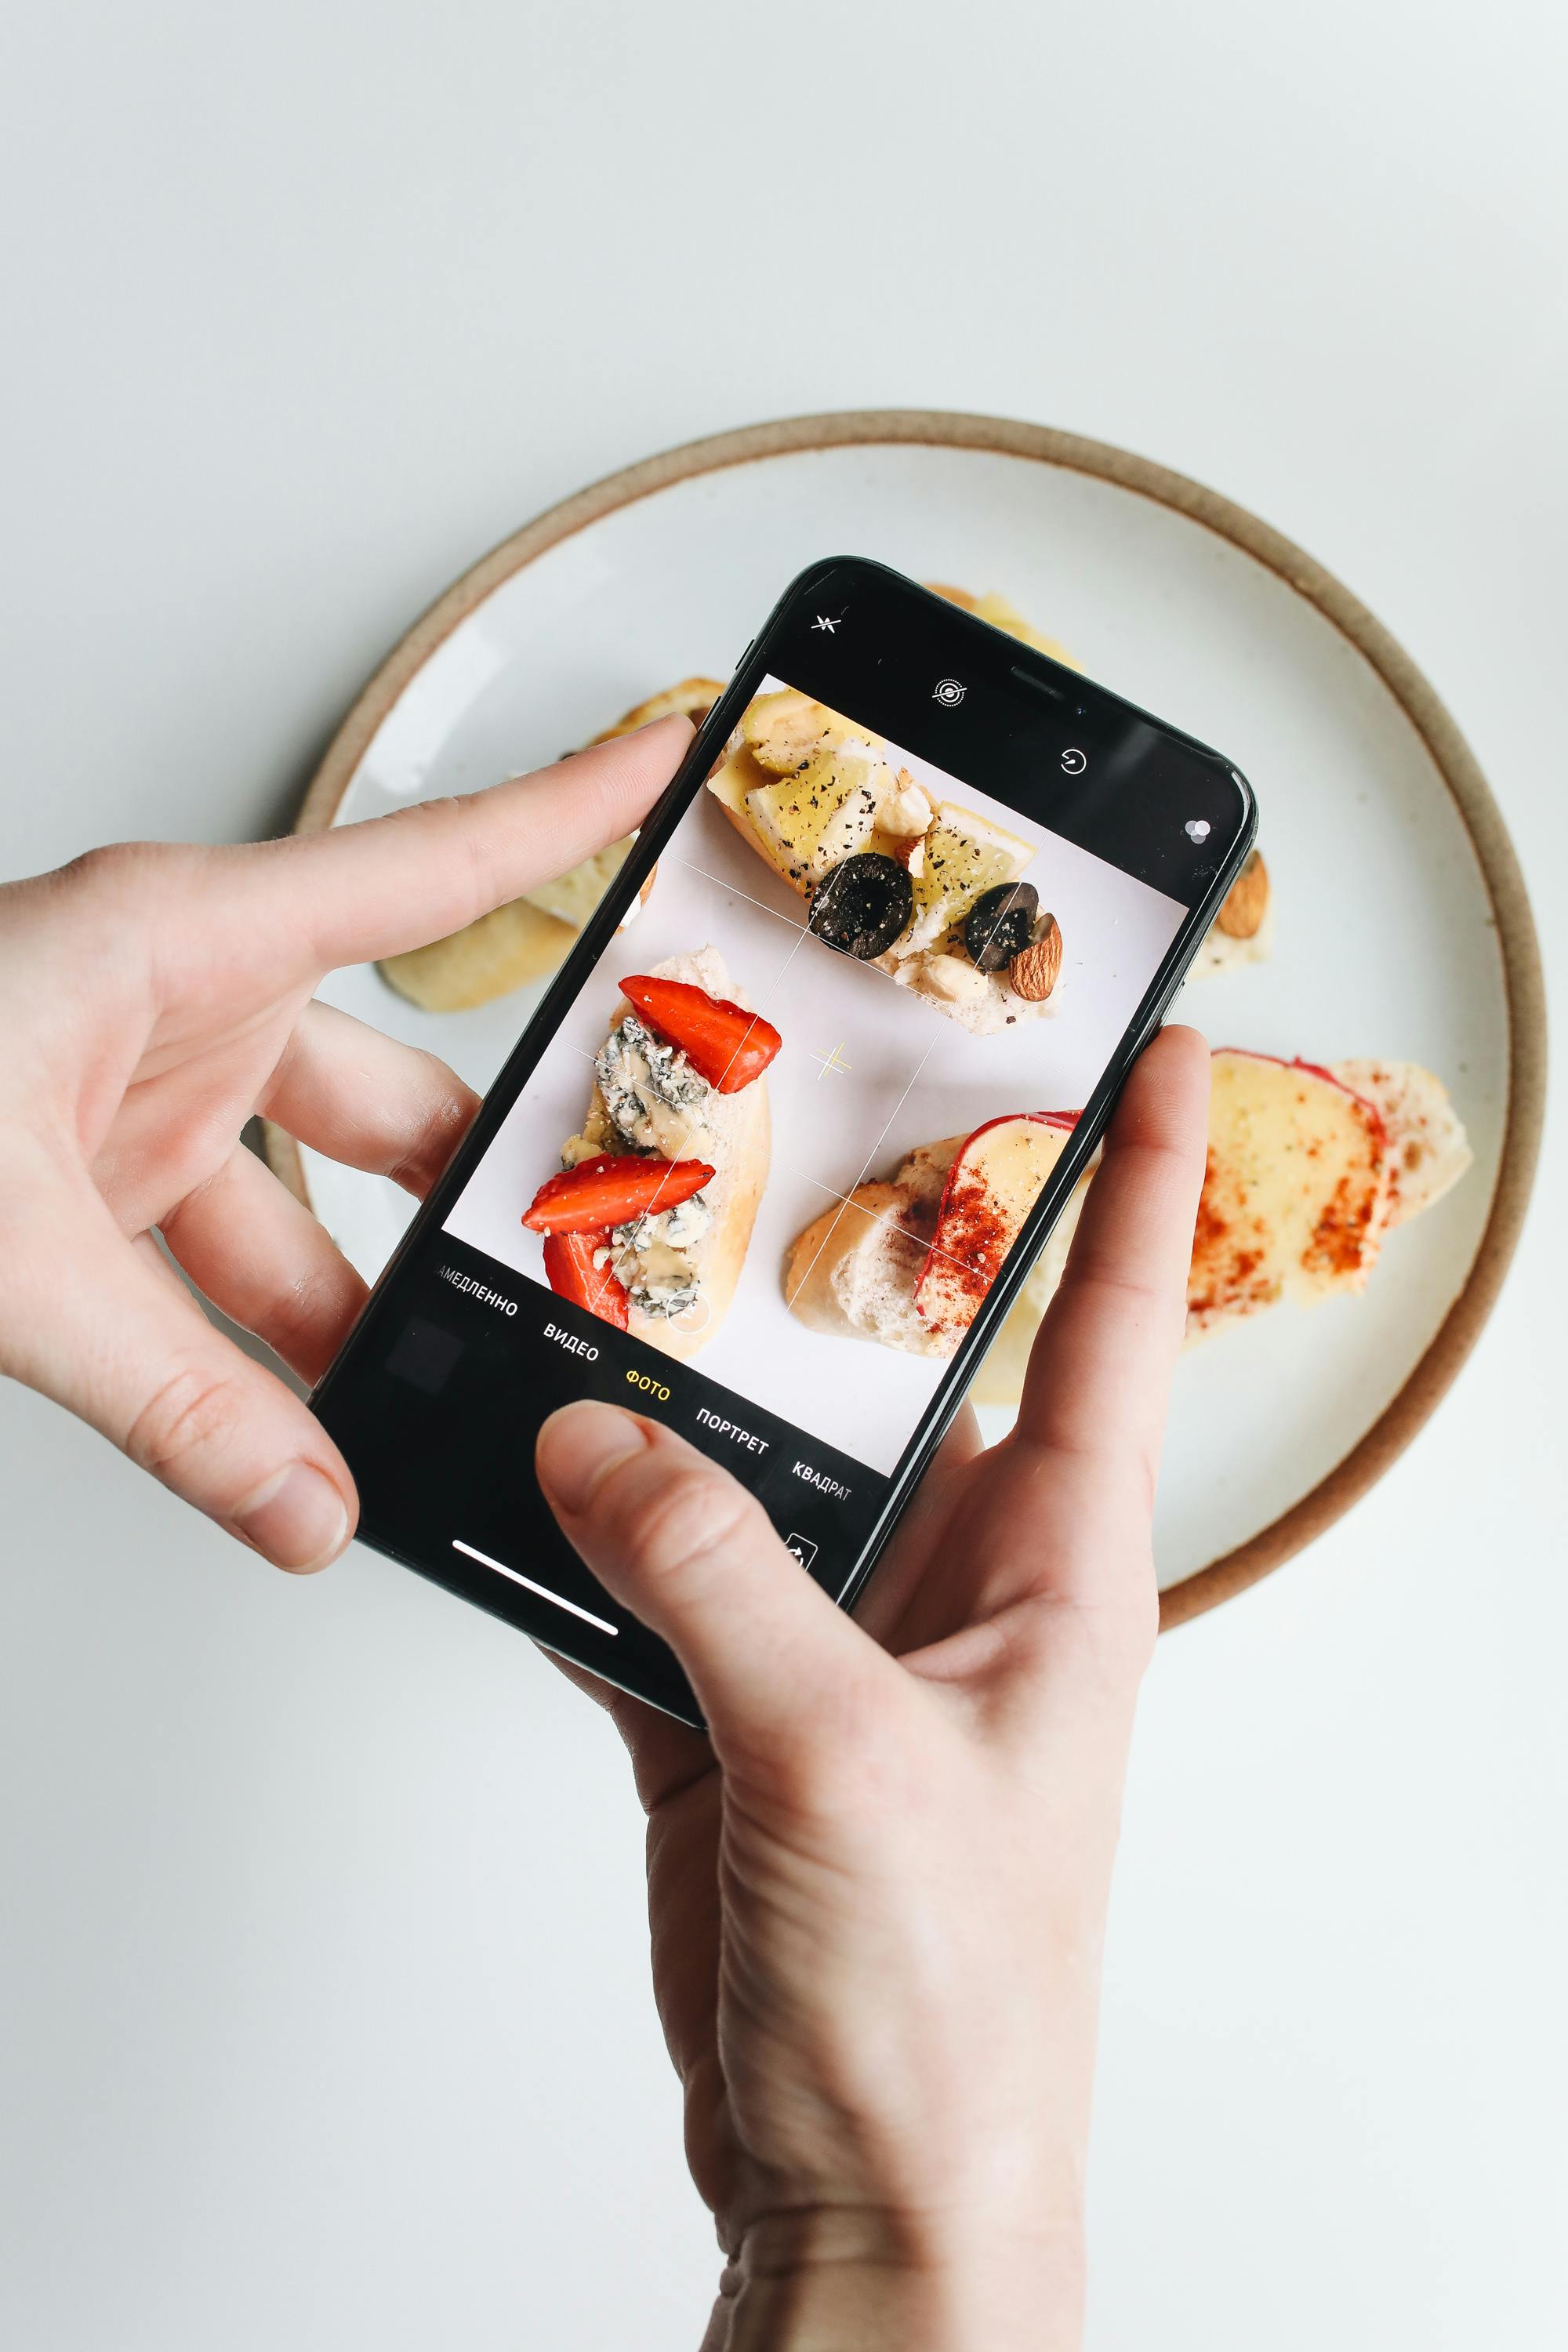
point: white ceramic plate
(1391, 871)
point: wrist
(857, 2279)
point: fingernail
(580, 1445)
(296, 1519)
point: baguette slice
(728, 1131)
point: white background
(867, 1071)
(324, 2005)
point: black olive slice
(862, 906)
(1000, 924)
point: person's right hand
(877, 1898)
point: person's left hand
(156, 999)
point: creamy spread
(653, 1095)
(652, 1256)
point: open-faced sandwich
(1308, 1170)
(531, 936)
(648, 1221)
(924, 889)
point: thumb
(113, 1336)
(683, 1545)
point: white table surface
(323, 2006)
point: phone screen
(779, 1134)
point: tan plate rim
(1454, 762)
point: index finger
(359, 892)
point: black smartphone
(776, 1153)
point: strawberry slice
(610, 1189)
(570, 1271)
(723, 1043)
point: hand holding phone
(877, 1894)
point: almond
(1037, 969)
(1245, 902)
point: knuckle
(447, 1094)
(443, 1110)
(194, 1411)
(119, 869)
(312, 1314)
(99, 869)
